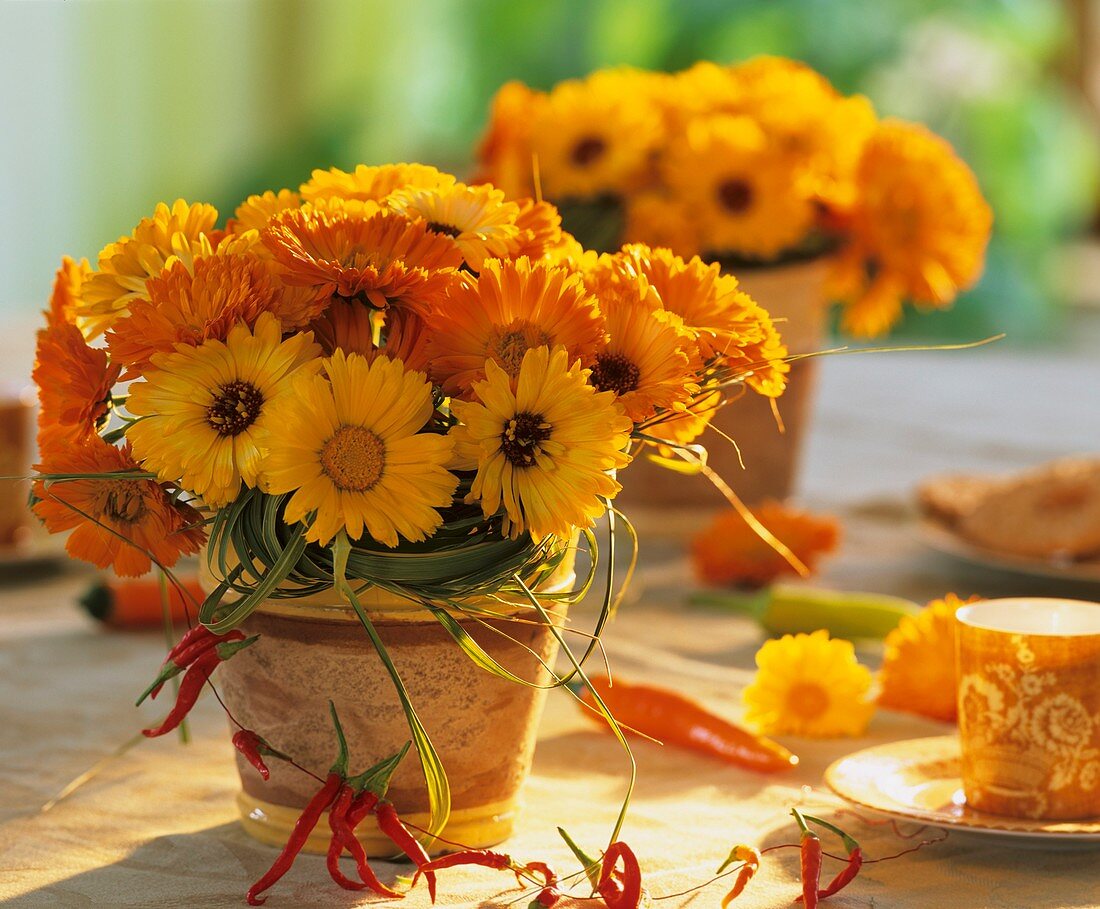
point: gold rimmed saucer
(918, 780)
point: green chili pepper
(793, 609)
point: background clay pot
(483, 727)
(668, 502)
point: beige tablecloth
(157, 826)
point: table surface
(156, 826)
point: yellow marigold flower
(659, 220)
(190, 306)
(504, 153)
(742, 195)
(919, 228)
(651, 361)
(545, 445)
(726, 320)
(511, 307)
(67, 285)
(350, 447)
(379, 260)
(595, 136)
(256, 211)
(475, 219)
(730, 553)
(371, 183)
(918, 666)
(201, 405)
(124, 266)
(809, 685)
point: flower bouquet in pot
(386, 409)
(765, 168)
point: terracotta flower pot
(314, 649)
(672, 503)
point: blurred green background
(110, 107)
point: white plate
(942, 538)
(918, 780)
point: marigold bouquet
(386, 378)
(754, 163)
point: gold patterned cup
(1029, 707)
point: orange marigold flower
(596, 135)
(404, 338)
(189, 306)
(919, 228)
(74, 381)
(650, 361)
(504, 153)
(918, 666)
(115, 522)
(371, 184)
(730, 552)
(510, 308)
(728, 323)
(380, 259)
(125, 266)
(540, 233)
(345, 325)
(67, 284)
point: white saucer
(918, 780)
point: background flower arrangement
(755, 163)
(384, 379)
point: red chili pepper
(855, 859)
(190, 689)
(362, 805)
(810, 860)
(188, 655)
(193, 634)
(337, 814)
(390, 824)
(180, 658)
(298, 836)
(627, 892)
(750, 858)
(343, 837)
(191, 686)
(482, 857)
(249, 744)
(846, 874)
(549, 895)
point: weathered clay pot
(312, 650)
(672, 503)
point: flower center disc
(354, 459)
(735, 196)
(235, 408)
(437, 227)
(510, 343)
(807, 700)
(614, 372)
(120, 501)
(521, 437)
(588, 150)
